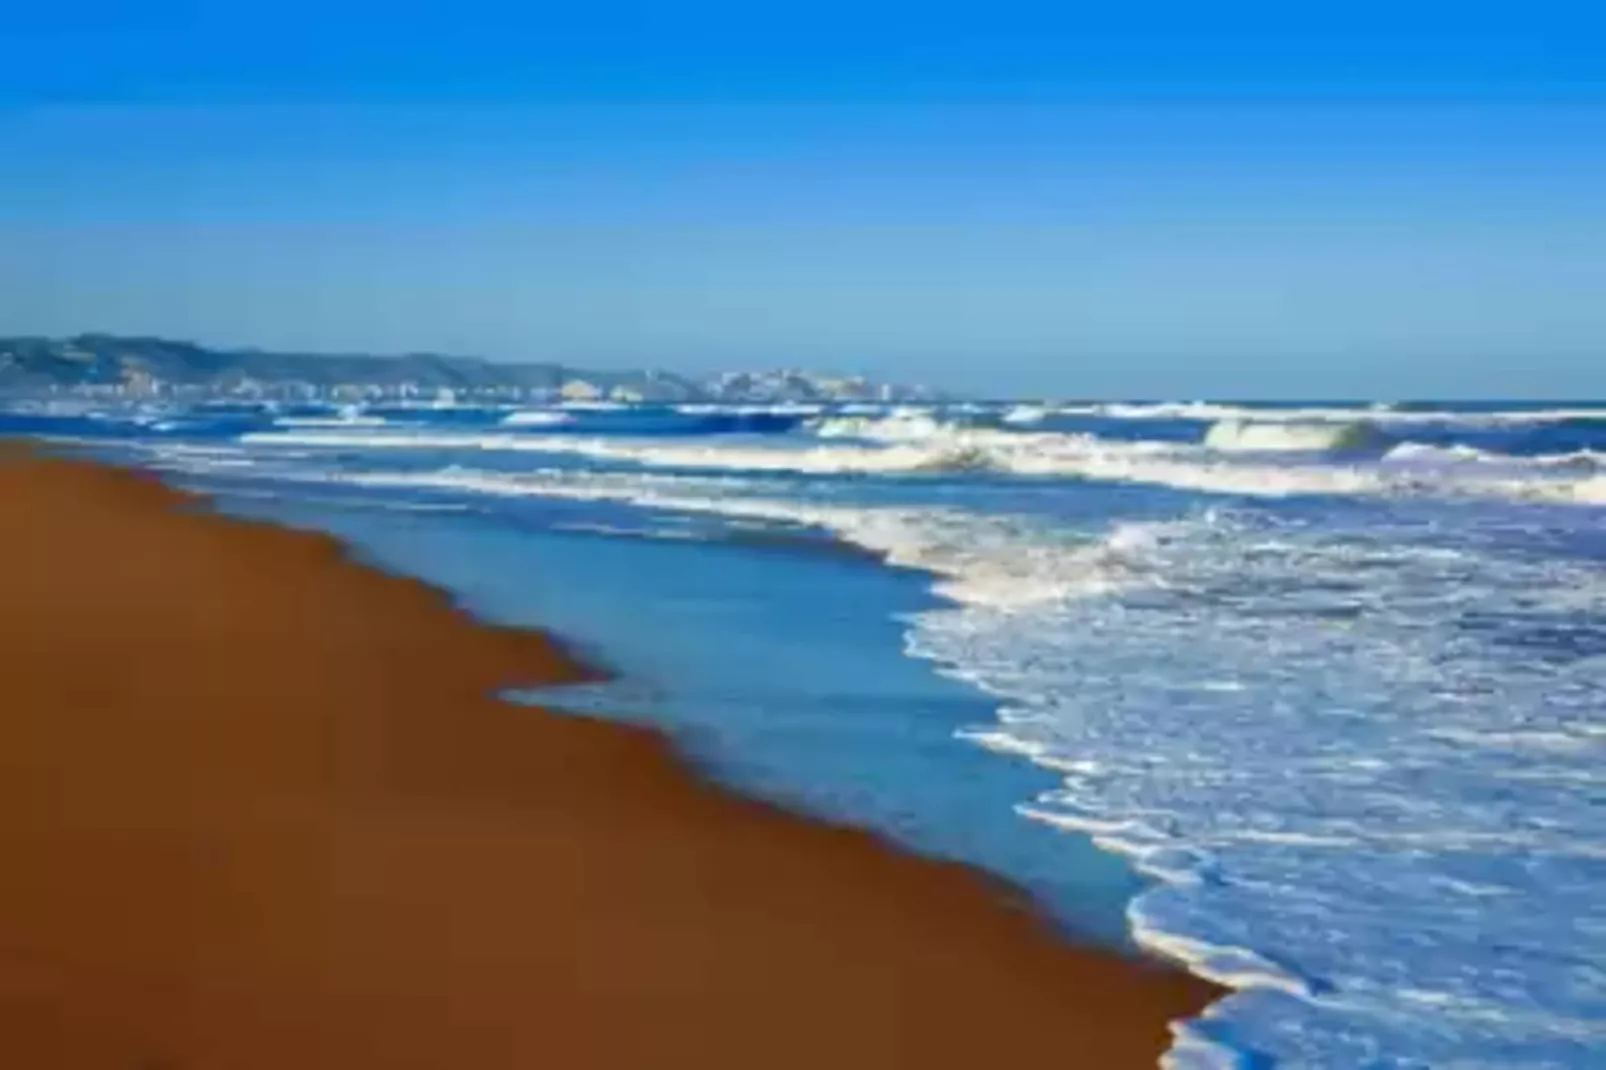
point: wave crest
(1250, 436)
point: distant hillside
(101, 363)
(107, 360)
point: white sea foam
(670, 453)
(536, 418)
(1384, 801)
(902, 424)
(1426, 453)
(1591, 491)
(1026, 414)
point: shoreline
(271, 812)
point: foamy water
(1233, 458)
(1355, 775)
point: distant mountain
(91, 360)
(152, 367)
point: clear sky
(1145, 199)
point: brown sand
(259, 810)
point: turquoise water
(1311, 698)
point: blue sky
(1156, 199)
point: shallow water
(779, 672)
(1332, 678)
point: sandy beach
(260, 808)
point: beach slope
(260, 809)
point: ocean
(1310, 698)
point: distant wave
(784, 408)
(351, 420)
(1266, 436)
(537, 418)
(1213, 412)
(1026, 414)
(336, 438)
(898, 425)
(1427, 453)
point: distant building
(580, 390)
(138, 382)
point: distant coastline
(142, 367)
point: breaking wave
(1460, 454)
(1270, 437)
(912, 445)
(899, 425)
(1003, 562)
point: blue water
(1309, 697)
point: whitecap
(536, 418)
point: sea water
(1330, 678)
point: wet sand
(260, 809)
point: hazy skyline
(1169, 202)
